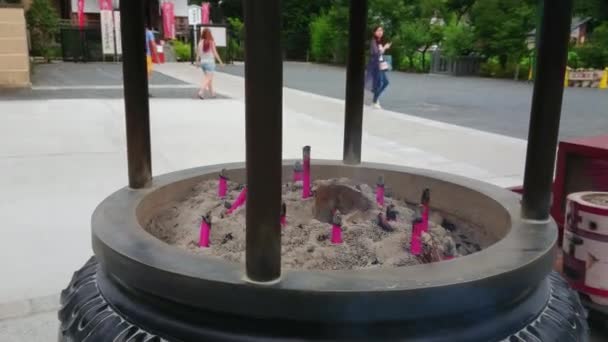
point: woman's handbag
(386, 62)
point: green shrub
(415, 63)
(329, 36)
(236, 42)
(574, 60)
(594, 53)
(43, 24)
(182, 50)
(321, 39)
(493, 68)
(458, 39)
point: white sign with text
(107, 32)
(117, 33)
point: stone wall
(14, 54)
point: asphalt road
(499, 106)
(92, 81)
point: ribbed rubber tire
(86, 315)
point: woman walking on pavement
(206, 54)
(376, 80)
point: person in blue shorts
(206, 54)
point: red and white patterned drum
(586, 244)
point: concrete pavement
(492, 105)
(61, 157)
(403, 139)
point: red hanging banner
(168, 20)
(80, 13)
(105, 5)
(206, 11)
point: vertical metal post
(355, 80)
(263, 130)
(137, 111)
(546, 109)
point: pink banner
(168, 19)
(105, 5)
(206, 11)
(81, 13)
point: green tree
(597, 9)
(321, 39)
(416, 37)
(459, 8)
(297, 17)
(459, 39)
(594, 53)
(501, 28)
(329, 35)
(236, 42)
(43, 24)
(412, 35)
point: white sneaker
(376, 105)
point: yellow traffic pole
(604, 81)
(566, 77)
(530, 74)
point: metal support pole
(137, 111)
(263, 130)
(355, 80)
(546, 109)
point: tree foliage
(297, 16)
(236, 43)
(597, 9)
(501, 27)
(495, 30)
(594, 53)
(43, 24)
(458, 39)
(329, 36)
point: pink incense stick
(306, 180)
(380, 191)
(222, 184)
(425, 201)
(336, 234)
(240, 200)
(297, 172)
(336, 228)
(203, 242)
(283, 215)
(416, 242)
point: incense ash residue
(306, 241)
(600, 199)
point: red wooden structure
(582, 165)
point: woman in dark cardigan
(376, 80)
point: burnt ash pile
(370, 235)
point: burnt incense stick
(380, 191)
(306, 193)
(336, 228)
(222, 186)
(205, 230)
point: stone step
(13, 46)
(14, 78)
(12, 30)
(14, 61)
(12, 15)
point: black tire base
(95, 309)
